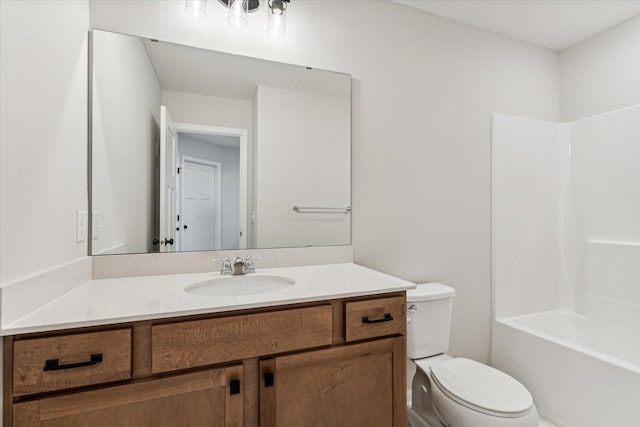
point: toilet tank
(428, 319)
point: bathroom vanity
(309, 355)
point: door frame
(167, 220)
(217, 173)
(244, 167)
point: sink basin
(239, 285)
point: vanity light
(238, 13)
(277, 23)
(197, 8)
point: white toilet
(446, 391)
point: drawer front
(205, 342)
(194, 399)
(375, 318)
(68, 361)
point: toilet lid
(481, 387)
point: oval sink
(239, 285)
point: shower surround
(566, 264)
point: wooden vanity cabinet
(327, 363)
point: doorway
(211, 188)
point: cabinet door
(354, 385)
(209, 398)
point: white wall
(208, 110)
(602, 73)
(43, 134)
(303, 157)
(422, 101)
(529, 159)
(126, 110)
(229, 159)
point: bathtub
(581, 372)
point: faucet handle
(226, 265)
(249, 266)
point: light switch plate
(81, 226)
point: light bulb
(238, 12)
(197, 8)
(277, 7)
(277, 23)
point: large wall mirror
(195, 150)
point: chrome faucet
(226, 269)
(249, 266)
(239, 266)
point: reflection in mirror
(199, 150)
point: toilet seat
(481, 388)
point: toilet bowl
(455, 392)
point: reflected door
(167, 198)
(200, 216)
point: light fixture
(197, 8)
(277, 23)
(238, 13)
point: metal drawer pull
(387, 318)
(54, 364)
(268, 379)
(234, 387)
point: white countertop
(109, 301)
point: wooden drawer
(374, 318)
(205, 342)
(68, 361)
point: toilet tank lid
(430, 291)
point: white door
(200, 205)
(167, 203)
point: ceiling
(205, 72)
(554, 24)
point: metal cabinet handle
(387, 318)
(234, 387)
(155, 242)
(268, 379)
(167, 242)
(54, 364)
